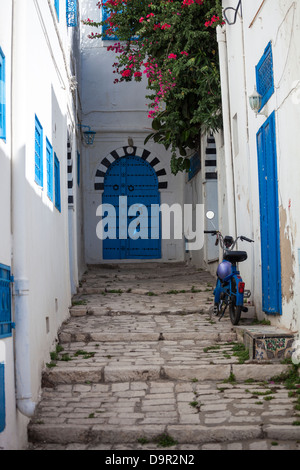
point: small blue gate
(134, 178)
(269, 217)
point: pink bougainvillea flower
(126, 73)
(212, 21)
(141, 19)
(184, 53)
(172, 56)
(137, 74)
(166, 26)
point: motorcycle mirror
(210, 215)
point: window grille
(264, 75)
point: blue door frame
(134, 178)
(269, 217)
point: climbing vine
(173, 44)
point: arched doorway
(131, 186)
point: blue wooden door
(269, 217)
(133, 178)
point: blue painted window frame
(265, 75)
(38, 153)
(56, 4)
(71, 13)
(57, 183)
(2, 397)
(104, 27)
(6, 325)
(2, 96)
(49, 162)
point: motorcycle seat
(235, 256)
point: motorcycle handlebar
(215, 232)
(247, 239)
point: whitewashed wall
(38, 73)
(276, 21)
(11, 433)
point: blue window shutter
(56, 4)
(264, 75)
(71, 10)
(38, 153)
(49, 159)
(2, 97)
(195, 165)
(57, 182)
(2, 397)
(6, 324)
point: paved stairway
(142, 364)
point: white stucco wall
(283, 32)
(38, 249)
(10, 433)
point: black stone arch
(124, 152)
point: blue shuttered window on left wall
(2, 97)
(6, 324)
(38, 153)
(57, 183)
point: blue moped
(230, 289)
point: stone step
(146, 360)
(141, 304)
(189, 412)
(123, 373)
(130, 327)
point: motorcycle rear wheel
(234, 310)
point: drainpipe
(25, 403)
(221, 38)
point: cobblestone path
(142, 364)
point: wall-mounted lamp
(89, 135)
(255, 101)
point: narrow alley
(142, 364)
